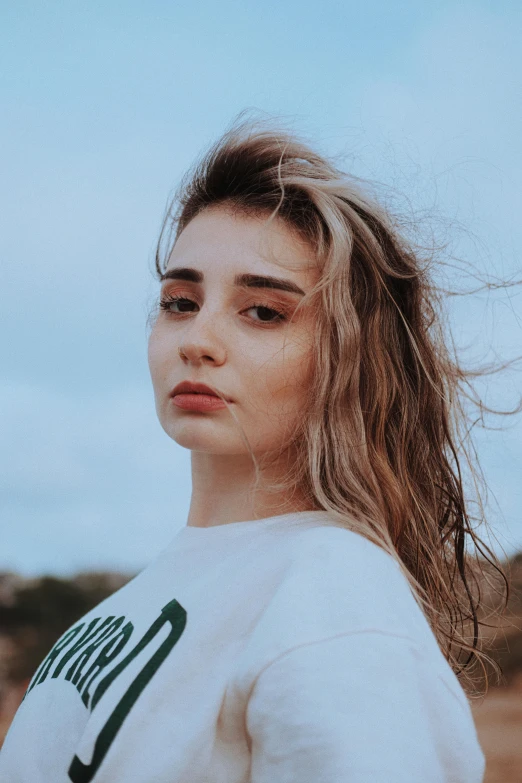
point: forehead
(226, 243)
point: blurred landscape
(35, 612)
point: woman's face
(231, 336)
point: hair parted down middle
(378, 443)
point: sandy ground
(498, 718)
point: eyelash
(167, 300)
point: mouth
(189, 401)
(196, 389)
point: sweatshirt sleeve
(360, 708)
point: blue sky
(105, 105)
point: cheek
(152, 352)
(157, 355)
(290, 375)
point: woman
(301, 626)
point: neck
(222, 492)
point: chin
(197, 437)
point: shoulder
(336, 543)
(344, 563)
(334, 581)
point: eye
(265, 310)
(168, 300)
(267, 315)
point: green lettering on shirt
(172, 613)
(111, 651)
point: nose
(201, 342)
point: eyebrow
(241, 281)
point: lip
(192, 387)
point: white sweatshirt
(282, 650)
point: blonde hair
(376, 445)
